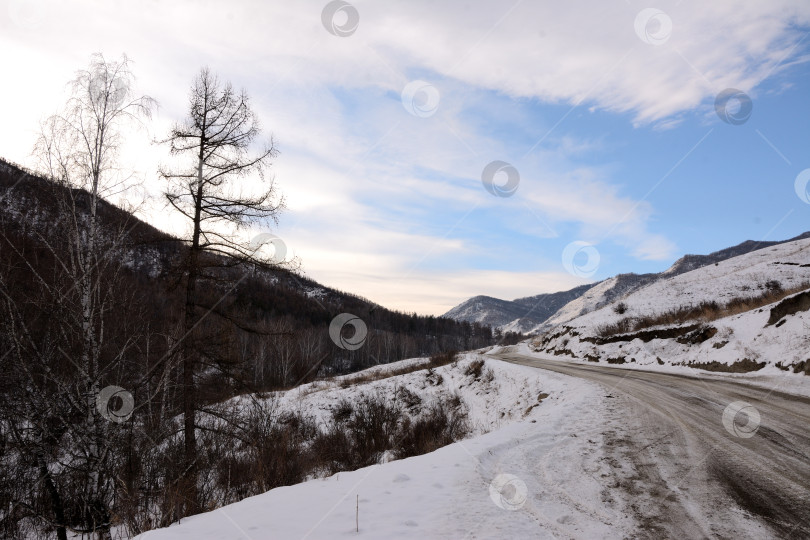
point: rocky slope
(741, 314)
(536, 314)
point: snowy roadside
(554, 454)
(769, 378)
(492, 400)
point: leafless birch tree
(64, 360)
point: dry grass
(705, 311)
(437, 360)
(279, 450)
(474, 368)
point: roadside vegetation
(435, 361)
(277, 447)
(706, 311)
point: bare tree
(62, 343)
(217, 141)
(79, 149)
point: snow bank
(554, 454)
(491, 402)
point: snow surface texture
(491, 403)
(743, 336)
(460, 491)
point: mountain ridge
(513, 315)
(287, 301)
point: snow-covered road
(697, 469)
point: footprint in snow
(401, 478)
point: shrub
(342, 411)
(620, 308)
(435, 379)
(619, 327)
(455, 401)
(440, 425)
(773, 285)
(332, 451)
(443, 358)
(373, 426)
(408, 398)
(276, 449)
(474, 368)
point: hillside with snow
(489, 399)
(478, 487)
(741, 314)
(536, 314)
(549, 456)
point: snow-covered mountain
(536, 314)
(740, 314)
(519, 315)
(486, 310)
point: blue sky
(610, 125)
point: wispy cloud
(388, 204)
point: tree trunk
(190, 356)
(97, 512)
(57, 507)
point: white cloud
(588, 50)
(371, 188)
(437, 292)
(566, 52)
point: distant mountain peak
(534, 313)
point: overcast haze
(607, 114)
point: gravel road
(704, 465)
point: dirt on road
(711, 458)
